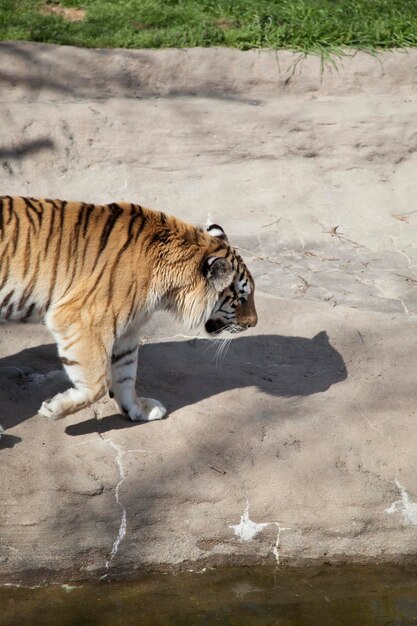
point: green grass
(319, 26)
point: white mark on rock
(247, 530)
(407, 509)
(122, 528)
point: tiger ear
(215, 230)
(218, 271)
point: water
(336, 596)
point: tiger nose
(248, 323)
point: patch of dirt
(71, 14)
(225, 23)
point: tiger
(93, 274)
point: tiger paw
(152, 409)
(144, 410)
(47, 411)
(133, 412)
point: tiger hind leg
(86, 361)
(123, 370)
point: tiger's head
(234, 309)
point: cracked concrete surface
(307, 424)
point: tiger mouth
(214, 327)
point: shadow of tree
(26, 148)
(181, 373)
(101, 73)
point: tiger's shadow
(180, 373)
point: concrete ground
(298, 445)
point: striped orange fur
(95, 273)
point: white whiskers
(221, 345)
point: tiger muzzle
(246, 313)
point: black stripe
(88, 212)
(163, 219)
(9, 311)
(54, 204)
(80, 216)
(51, 230)
(6, 274)
(34, 208)
(99, 277)
(123, 380)
(74, 271)
(67, 362)
(117, 357)
(62, 208)
(28, 215)
(30, 287)
(136, 213)
(132, 306)
(75, 238)
(115, 320)
(28, 250)
(6, 247)
(11, 204)
(141, 226)
(163, 237)
(108, 227)
(125, 363)
(132, 220)
(112, 271)
(225, 299)
(16, 232)
(28, 312)
(6, 299)
(84, 251)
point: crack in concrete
(275, 549)
(382, 294)
(123, 521)
(410, 264)
(122, 476)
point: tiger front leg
(124, 363)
